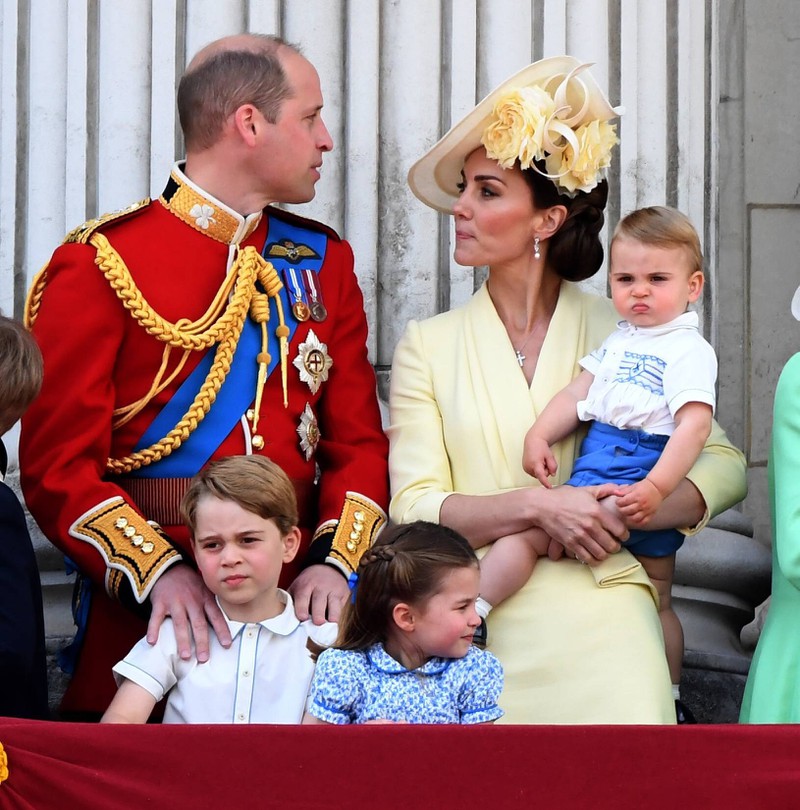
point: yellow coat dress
(578, 644)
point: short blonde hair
(21, 371)
(256, 483)
(663, 227)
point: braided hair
(408, 563)
(575, 251)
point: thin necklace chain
(520, 356)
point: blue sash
(238, 391)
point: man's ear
(291, 544)
(403, 616)
(247, 121)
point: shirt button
(246, 673)
(240, 718)
(250, 634)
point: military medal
(301, 311)
(318, 311)
(308, 431)
(300, 308)
(313, 361)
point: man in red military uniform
(203, 324)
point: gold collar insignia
(204, 213)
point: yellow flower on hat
(518, 127)
(583, 170)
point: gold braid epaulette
(221, 324)
(81, 236)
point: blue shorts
(613, 456)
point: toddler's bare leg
(509, 564)
(661, 571)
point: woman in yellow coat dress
(579, 643)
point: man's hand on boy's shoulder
(319, 593)
(181, 594)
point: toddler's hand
(538, 460)
(639, 502)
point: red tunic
(99, 358)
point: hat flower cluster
(529, 125)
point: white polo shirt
(263, 677)
(644, 375)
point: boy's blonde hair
(257, 484)
(662, 227)
(21, 370)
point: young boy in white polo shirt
(242, 517)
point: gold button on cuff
(360, 522)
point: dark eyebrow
(484, 177)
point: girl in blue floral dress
(404, 652)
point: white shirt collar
(687, 320)
(284, 624)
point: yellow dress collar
(199, 210)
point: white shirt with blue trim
(644, 375)
(263, 677)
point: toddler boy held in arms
(241, 513)
(649, 392)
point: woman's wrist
(533, 504)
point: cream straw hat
(434, 178)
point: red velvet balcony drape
(70, 765)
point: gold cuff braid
(359, 525)
(129, 544)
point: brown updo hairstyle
(575, 251)
(408, 563)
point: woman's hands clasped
(578, 524)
